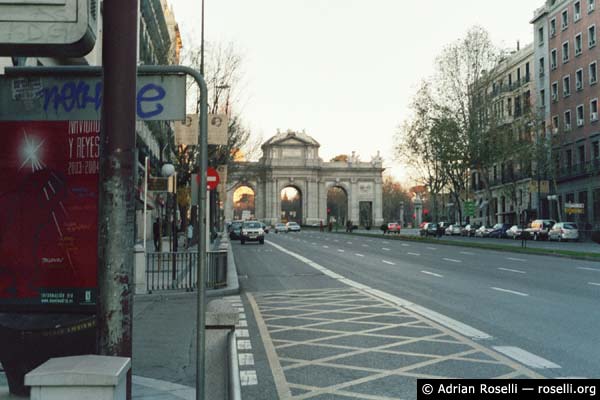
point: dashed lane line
(385, 249)
(414, 254)
(512, 270)
(451, 260)
(388, 262)
(467, 253)
(325, 247)
(516, 259)
(248, 378)
(589, 269)
(432, 274)
(405, 245)
(593, 283)
(525, 357)
(510, 291)
(340, 250)
(359, 255)
(432, 248)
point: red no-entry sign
(212, 178)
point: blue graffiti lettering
(156, 93)
(78, 95)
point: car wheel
(243, 241)
(261, 241)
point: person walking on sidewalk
(190, 235)
(156, 234)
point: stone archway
(291, 204)
(244, 202)
(337, 204)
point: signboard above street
(575, 208)
(186, 132)
(43, 98)
(51, 28)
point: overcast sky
(343, 70)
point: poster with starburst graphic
(48, 214)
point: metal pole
(145, 200)
(202, 42)
(116, 211)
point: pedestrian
(321, 226)
(190, 235)
(330, 226)
(156, 234)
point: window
(527, 72)
(591, 5)
(593, 73)
(592, 36)
(596, 150)
(578, 44)
(568, 159)
(565, 52)
(580, 115)
(566, 86)
(555, 124)
(542, 66)
(593, 110)
(553, 58)
(553, 27)
(579, 79)
(581, 154)
(555, 91)
(509, 80)
(542, 98)
(509, 106)
(577, 7)
(567, 120)
(518, 76)
(564, 19)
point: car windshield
(252, 225)
(570, 226)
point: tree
(340, 157)
(393, 194)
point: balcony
(580, 170)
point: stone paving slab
(348, 344)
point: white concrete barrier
(80, 377)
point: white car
(293, 227)
(279, 227)
(564, 231)
(252, 231)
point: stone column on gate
(378, 203)
(229, 205)
(353, 203)
(418, 204)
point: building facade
(569, 55)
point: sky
(343, 70)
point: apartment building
(511, 94)
(568, 54)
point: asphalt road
(539, 312)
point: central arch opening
(337, 205)
(243, 203)
(291, 205)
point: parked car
(514, 232)
(235, 230)
(539, 228)
(252, 231)
(455, 229)
(429, 229)
(281, 227)
(394, 227)
(483, 231)
(469, 230)
(499, 231)
(293, 227)
(422, 224)
(564, 231)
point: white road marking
(515, 259)
(589, 269)
(432, 273)
(242, 315)
(241, 333)
(510, 291)
(450, 323)
(248, 378)
(349, 242)
(512, 270)
(244, 345)
(314, 244)
(359, 255)
(414, 254)
(467, 253)
(365, 245)
(340, 250)
(335, 240)
(451, 260)
(405, 245)
(245, 359)
(242, 324)
(525, 357)
(385, 248)
(325, 247)
(384, 242)
(594, 283)
(388, 262)
(432, 248)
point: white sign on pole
(217, 128)
(186, 132)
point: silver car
(564, 231)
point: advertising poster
(48, 214)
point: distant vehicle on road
(281, 227)
(293, 227)
(483, 231)
(539, 228)
(564, 231)
(394, 227)
(499, 231)
(515, 232)
(252, 231)
(235, 230)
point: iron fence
(179, 270)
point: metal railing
(179, 270)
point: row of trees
(458, 128)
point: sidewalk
(164, 337)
